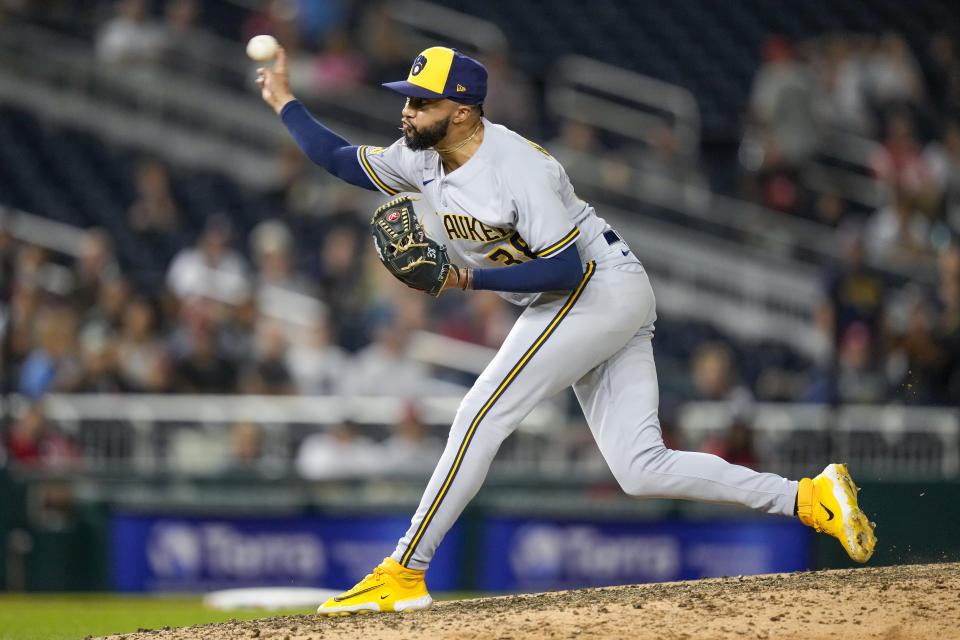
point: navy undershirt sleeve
(563, 271)
(323, 146)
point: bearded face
(428, 137)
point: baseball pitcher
(505, 217)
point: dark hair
(479, 107)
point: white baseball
(262, 48)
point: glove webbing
(416, 263)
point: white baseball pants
(598, 339)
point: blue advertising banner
(172, 553)
(540, 555)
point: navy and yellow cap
(441, 72)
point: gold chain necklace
(462, 142)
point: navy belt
(611, 236)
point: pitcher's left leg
(620, 401)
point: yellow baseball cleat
(391, 587)
(828, 503)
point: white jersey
(509, 203)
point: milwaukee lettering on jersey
(460, 227)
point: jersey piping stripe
(591, 267)
(362, 152)
(559, 246)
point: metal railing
(426, 21)
(190, 120)
(152, 433)
(726, 284)
(883, 442)
(40, 231)
(843, 165)
(188, 434)
(624, 102)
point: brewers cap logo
(418, 64)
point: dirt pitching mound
(889, 603)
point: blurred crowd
(254, 319)
(226, 324)
(893, 114)
(890, 344)
(898, 112)
(257, 313)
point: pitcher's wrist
(280, 103)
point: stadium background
(209, 380)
